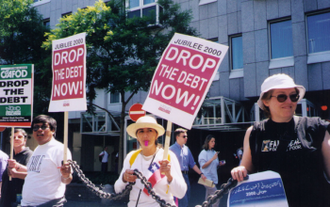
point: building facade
(265, 37)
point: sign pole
(11, 146)
(167, 139)
(65, 139)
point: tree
(21, 36)
(122, 53)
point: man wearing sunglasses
(186, 161)
(298, 148)
(47, 177)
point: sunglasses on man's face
(36, 127)
(282, 97)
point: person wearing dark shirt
(12, 190)
(298, 148)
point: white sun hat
(279, 81)
(145, 122)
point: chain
(151, 192)
(219, 193)
(98, 191)
(128, 188)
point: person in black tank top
(298, 148)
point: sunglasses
(18, 137)
(282, 97)
(184, 136)
(36, 127)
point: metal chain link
(219, 193)
(128, 188)
(98, 191)
(151, 192)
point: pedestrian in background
(298, 148)
(104, 159)
(186, 161)
(209, 162)
(12, 190)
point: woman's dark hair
(45, 119)
(267, 96)
(206, 142)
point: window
(114, 97)
(140, 8)
(281, 39)
(318, 27)
(66, 14)
(236, 52)
(47, 23)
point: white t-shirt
(43, 180)
(105, 156)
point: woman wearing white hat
(298, 148)
(165, 175)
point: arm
(215, 156)
(238, 173)
(16, 170)
(199, 172)
(326, 153)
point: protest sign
(16, 95)
(264, 189)
(69, 74)
(183, 77)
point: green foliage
(122, 53)
(21, 35)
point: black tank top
(293, 150)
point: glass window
(47, 23)
(236, 52)
(281, 39)
(134, 3)
(318, 32)
(148, 1)
(114, 97)
(66, 14)
(140, 8)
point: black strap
(137, 201)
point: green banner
(16, 95)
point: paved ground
(79, 196)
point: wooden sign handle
(167, 140)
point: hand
(13, 164)
(165, 167)
(215, 156)
(12, 172)
(65, 170)
(221, 163)
(238, 173)
(203, 177)
(129, 176)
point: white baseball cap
(279, 81)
